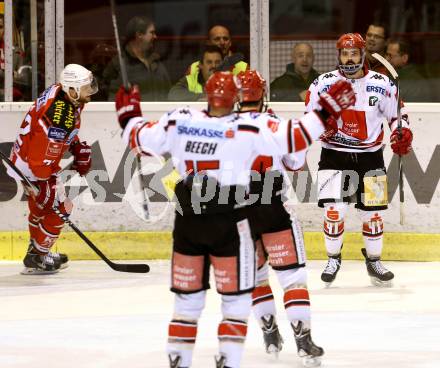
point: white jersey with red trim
(361, 126)
(223, 148)
(292, 161)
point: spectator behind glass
(17, 59)
(101, 55)
(144, 67)
(220, 36)
(413, 85)
(191, 86)
(376, 42)
(292, 86)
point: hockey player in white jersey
(213, 151)
(351, 168)
(280, 242)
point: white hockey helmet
(79, 78)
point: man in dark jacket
(143, 65)
(414, 86)
(294, 83)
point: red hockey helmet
(253, 86)
(222, 90)
(351, 41)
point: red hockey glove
(46, 195)
(401, 143)
(82, 159)
(339, 97)
(128, 105)
(331, 128)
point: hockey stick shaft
(395, 76)
(125, 82)
(134, 268)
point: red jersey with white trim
(223, 148)
(361, 126)
(46, 133)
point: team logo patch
(372, 100)
(54, 149)
(229, 133)
(273, 125)
(56, 133)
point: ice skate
(272, 338)
(61, 258)
(331, 269)
(39, 264)
(307, 350)
(379, 275)
(175, 360)
(220, 361)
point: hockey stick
(145, 207)
(134, 268)
(395, 76)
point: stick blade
(133, 268)
(386, 64)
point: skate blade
(273, 351)
(379, 283)
(327, 285)
(309, 361)
(63, 266)
(36, 271)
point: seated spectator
(100, 56)
(191, 86)
(292, 86)
(413, 85)
(143, 65)
(221, 37)
(375, 39)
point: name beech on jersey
(201, 147)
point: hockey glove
(46, 195)
(331, 128)
(82, 157)
(128, 105)
(401, 142)
(339, 97)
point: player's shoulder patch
(61, 113)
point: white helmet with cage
(79, 78)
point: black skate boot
(39, 264)
(379, 275)
(220, 361)
(272, 338)
(307, 350)
(331, 269)
(61, 258)
(175, 360)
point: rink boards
(107, 200)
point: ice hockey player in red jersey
(213, 151)
(49, 129)
(351, 168)
(280, 242)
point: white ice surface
(90, 316)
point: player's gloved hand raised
(128, 104)
(339, 97)
(82, 157)
(401, 143)
(46, 195)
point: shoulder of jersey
(60, 112)
(326, 78)
(379, 78)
